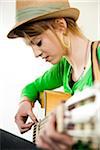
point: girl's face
(48, 46)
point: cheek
(48, 46)
(52, 47)
(45, 44)
(57, 49)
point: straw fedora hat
(36, 10)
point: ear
(61, 25)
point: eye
(39, 43)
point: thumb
(52, 121)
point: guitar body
(51, 99)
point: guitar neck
(37, 127)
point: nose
(37, 51)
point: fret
(34, 132)
(38, 126)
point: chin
(54, 61)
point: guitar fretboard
(38, 126)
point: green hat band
(28, 13)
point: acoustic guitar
(49, 100)
(80, 118)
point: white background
(17, 63)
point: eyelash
(39, 43)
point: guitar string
(35, 132)
(34, 135)
(40, 127)
(43, 121)
(40, 124)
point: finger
(24, 130)
(21, 125)
(28, 125)
(48, 143)
(19, 121)
(44, 142)
(54, 135)
(32, 116)
(62, 138)
(63, 146)
(51, 144)
(51, 125)
(40, 143)
(52, 120)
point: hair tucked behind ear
(73, 27)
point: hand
(25, 111)
(50, 139)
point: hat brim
(69, 12)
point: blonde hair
(37, 28)
(73, 27)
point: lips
(46, 58)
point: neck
(78, 52)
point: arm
(51, 79)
